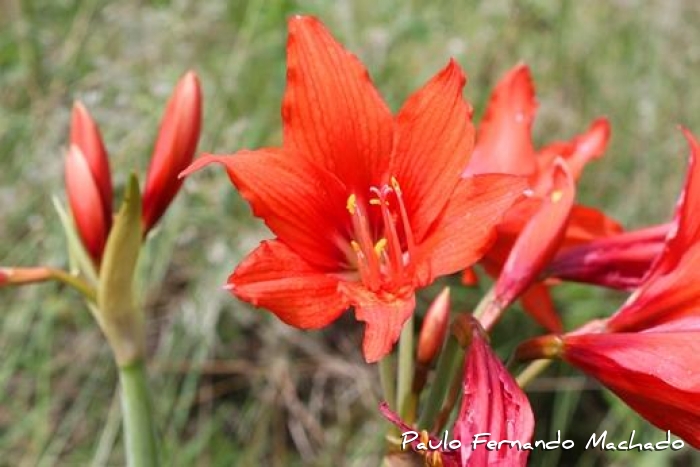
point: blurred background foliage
(233, 385)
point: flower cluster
(366, 207)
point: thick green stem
(405, 372)
(448, 365)
(139, 428)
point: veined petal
(303, 205)
(492, 403)
(384, 315)
(333, 116)
(467, 227)
(275, 277)
(504, 144)
(435, 137)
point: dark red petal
(85, 203)
(539, 240)
(333, 115)
(85, 134)
(303, 205)
(384, 315)
(435, 137)
(654, 372)
(492, 403)
(504, 144)
(174, 148)
(467, 227)
(276, 278)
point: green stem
(388, 380)
(532, 371)
(76, 282)
(139, 428)
(448, 365)
(405, 372)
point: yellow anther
(395, 186)
(380, 246)
(355, 246)
(351, 204)
(375, 202)
(556, 196)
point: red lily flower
(174, 148)
(648, 352)
(504, 145)
(492, 403)
(620, 261)
(366, 207)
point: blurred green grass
(233, 385)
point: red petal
(586, 224)
(276, 278)
(85, 203)
(539, 240)
(174, 148)
(85, 134)
(467, 227)
(538, 303)
(577, 152)
(504, 144)
(301, 204)
(434, 142)
(686, 218)
(655, 372)
(384, 315)
(492, 403)
(333, 115)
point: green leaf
(120, 318)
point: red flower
(504, 145)
(174, 148)
(648, 352)
(492, 404)
(366, 207)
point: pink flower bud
(174, 148)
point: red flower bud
(434, 328)
(492, 403)
(174, 148)
(85, 134)
(86, 203)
